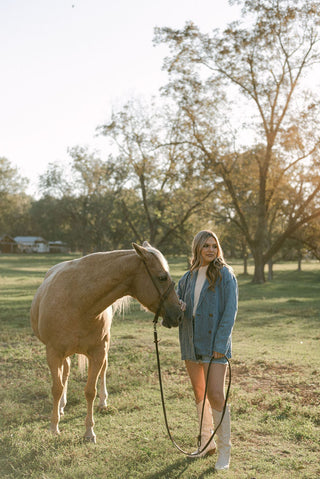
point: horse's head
(154, 287)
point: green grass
(274, 396)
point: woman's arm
(223, 334)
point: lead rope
(156, 341)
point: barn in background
(8, 244)
(32, 244)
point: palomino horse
(71, 313)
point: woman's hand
(183, 305)
(217, 355)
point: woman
(209, 299)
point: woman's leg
(198, 379)
(215, 390)
(217, 375)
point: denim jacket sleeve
(181, 288)
(228, 307)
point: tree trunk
(270, 271)
(299, 260)
(245, 264)
(258, 277)
(245, 257)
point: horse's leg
(55, 362)
(65, 376)
(103, 395)
(96, 362)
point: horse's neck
(121, 272)
(112, 277)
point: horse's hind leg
(96, 362)
(55, 362)
(103, 394)
(65, 376)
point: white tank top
(198, 287)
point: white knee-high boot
(223, 438)
(207, 428)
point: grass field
(275, 394)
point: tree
(50, 219)
(310, 238)
(256, 66)
(78, 206)
(304, 243)
(161, 192)
(14, 202)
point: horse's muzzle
(169, 322)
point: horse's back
(40, 294)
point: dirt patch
(262, 376)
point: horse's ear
(139, 249)
(145, 244)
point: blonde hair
(213, 271)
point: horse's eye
(163, 277)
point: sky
(65, 64)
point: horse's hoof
(90, 439)
(103, 408)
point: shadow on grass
(175, 470)
(178, 469)
(285, 284)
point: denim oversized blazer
(215, 315)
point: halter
(163, 297)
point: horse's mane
(158, 254)
(121, 305)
